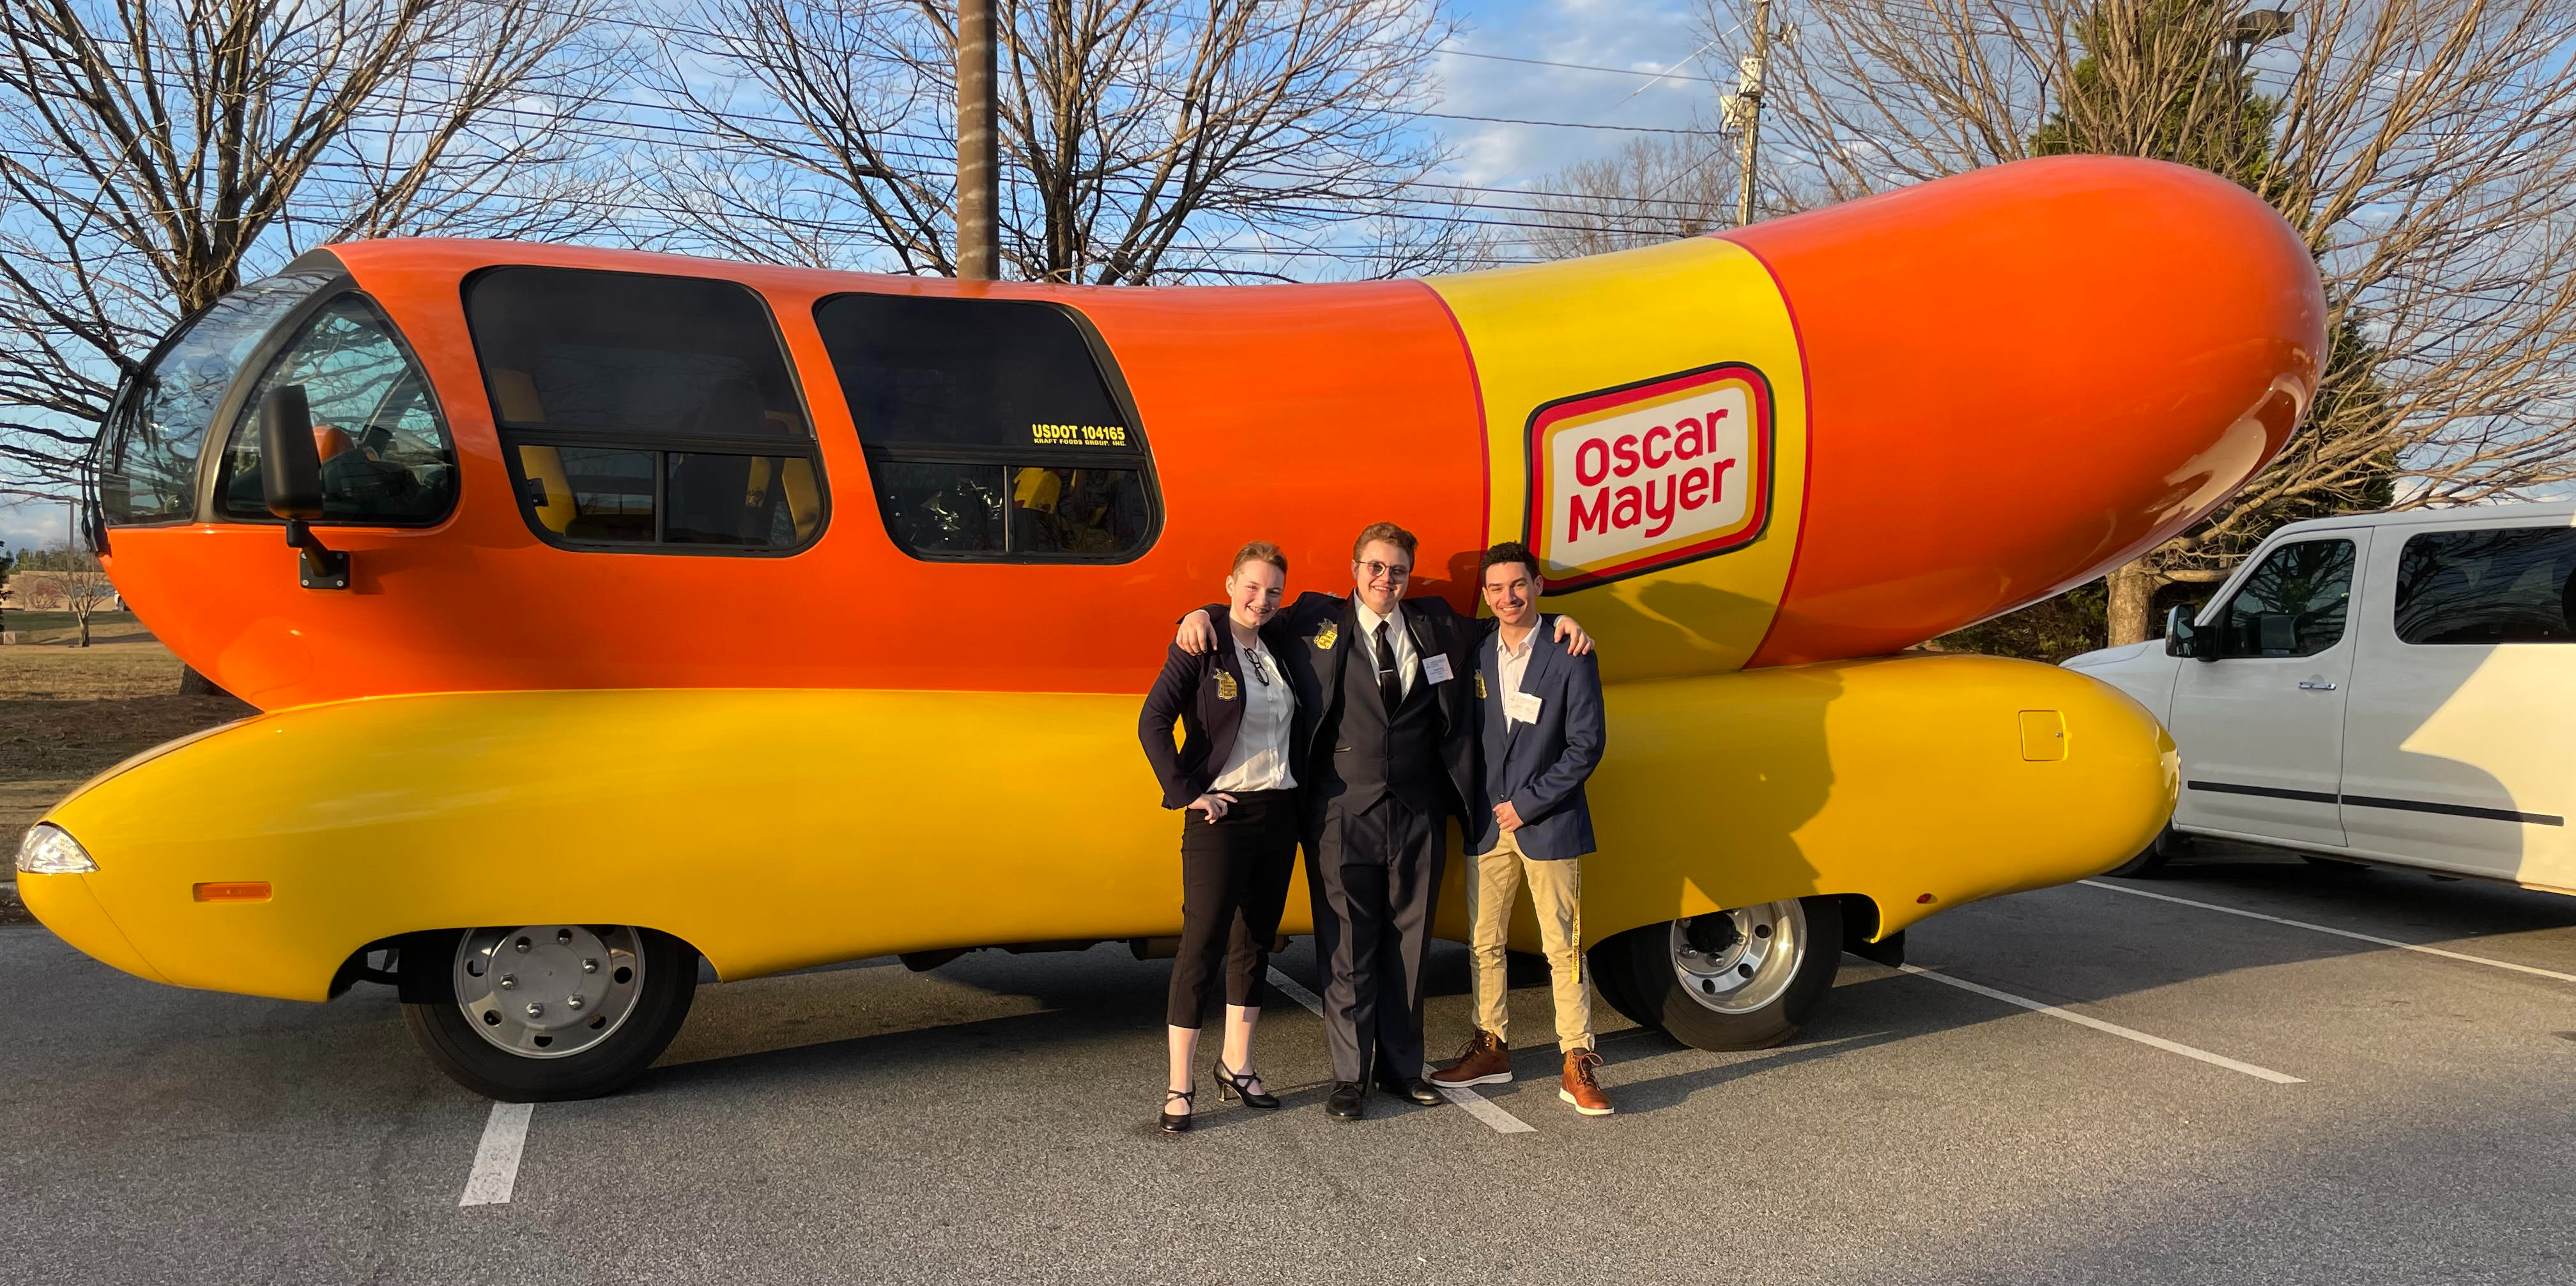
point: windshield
(147, 470)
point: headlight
(51, 850)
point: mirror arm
(320, 566)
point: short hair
(1510, 551)
(1258, 551)
(1386, 531)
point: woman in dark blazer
(1233, 776)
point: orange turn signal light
(233, 891)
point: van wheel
(547, 1012)
(1740, 979)
(2165, 847)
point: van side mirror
(2182, 638)
(290, 482)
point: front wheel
(1740, 979)
(547, 1012)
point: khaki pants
(1556, 892)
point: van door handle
(2315, 685)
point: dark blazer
(1317, 656)
(1540, 767)
(1189, 692)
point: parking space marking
(1477, 1105)
(2340, 933)
(2084, 1020)
(496, 1159)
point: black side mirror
(2182, 638)
(290, 482)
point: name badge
(1435, 667)
(1521, 707)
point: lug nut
(521, 944)
(563, 936)
(536, 1010)
(509, 980)
(590, 966)
(572, 1002)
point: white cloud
(29, 524)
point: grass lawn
(67, 713)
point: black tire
(1609, 964)
(1650, 969)
(448, 1035)
(2165, 847)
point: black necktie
(1390, 686)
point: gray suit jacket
(1540, 767)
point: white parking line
(496, 1160)
(2083, 1020)
(2340, 933)
(1477, 1105)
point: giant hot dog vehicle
(634, 609)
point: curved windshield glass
(148, 457)
(386, 458)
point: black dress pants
(1375, 876)
(1234, 883)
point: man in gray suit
(1541, 730)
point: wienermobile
(630, 609)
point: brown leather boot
(1485, 1061)
(1581, 1089)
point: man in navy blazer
(1541, 732)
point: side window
(2294, 603)
(991, 431)
(644, 411)
(2506, 585)
(386, 457)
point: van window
(643, 411)
(992, 431)
(2501, 585)
(386, 457)
(2293, 604)
(147, 457)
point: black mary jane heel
(1180, 1123)
(1230, 1087)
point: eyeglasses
(1260, 672)
(1391, 571)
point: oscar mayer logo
(1626, 480)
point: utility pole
(979, 170)
(1743, 109)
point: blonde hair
(1386, 531)
(1258, 551)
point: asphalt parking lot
(2254, 1101)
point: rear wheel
(1740, 979)
(546, 1012)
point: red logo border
(1548, 413)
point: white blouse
(1259, 759)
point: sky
(1640, 37)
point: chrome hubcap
(549, 990)
(1735, 962)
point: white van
(2396, 688)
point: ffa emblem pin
(1480, 685)
(1329, 635)
(1224, 686)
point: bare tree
(2425, 150)
(1654, 189)
(1142, 140)
(153, 153)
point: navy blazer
(1317, 654)
(1210, 710)
(1540, 767)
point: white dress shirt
(1259, 759)
(1511, 663)
(1397, 637)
